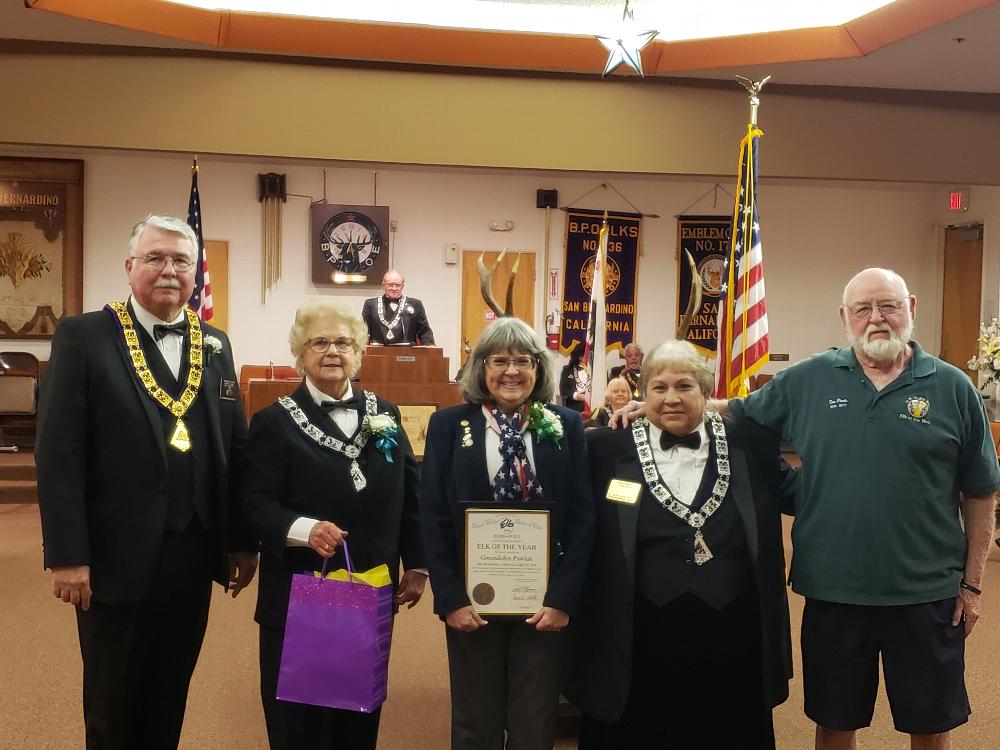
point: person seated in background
(632, 354)
(394, 318)
(574, 382)
(616, 396)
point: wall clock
(349, 245)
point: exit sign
(958, 200)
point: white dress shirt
(171, 345)
(680, 468)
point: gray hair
(324, 308)
(678, 357)
(166, 224)
(631, 345)
(507, 335)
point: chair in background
(18, 399)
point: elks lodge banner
(583, 229)
(707, 239)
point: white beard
(882, 350)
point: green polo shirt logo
(917, 407)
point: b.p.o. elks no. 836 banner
(583, 229)
(707, 239)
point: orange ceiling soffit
(500, 50)
(904, 18)
(152, 16)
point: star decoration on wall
(625, 47)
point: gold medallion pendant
(179, 438)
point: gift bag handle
(347, 559)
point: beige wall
(229, 106)
(817, 230)
(816, 234)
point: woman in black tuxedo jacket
(302, 498)
(504, 674)
(682, 639)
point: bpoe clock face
(350, 242)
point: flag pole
(753, 89)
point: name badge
(620, 491)
(227, 390)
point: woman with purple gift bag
(506, 449)
(326, 464)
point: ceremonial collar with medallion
(180, 438)
(389, 325)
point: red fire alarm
(958, 200)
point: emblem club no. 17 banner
(583, 229)
(707, 239)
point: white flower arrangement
(987, 359)
(385, 430)
(212, 346)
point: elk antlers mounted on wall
(694, 299)
(486, 284)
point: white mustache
(872, 328)
(167, 284)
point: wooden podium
(404, 375)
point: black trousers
(504, 679)
(297, 726)
(138, 658)
(697, 681)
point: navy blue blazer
(455, 478)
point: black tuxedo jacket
(599, 670)
(288, 475)
(102, 457)
(455, 478)
(415, 328)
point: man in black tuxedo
(632, 354)
(140, 430)
(394, 318)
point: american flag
(201, 297)
(743, 344)
(595, 348)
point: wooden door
(476, 315)
(218, 275)
(962, 306)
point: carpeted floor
(40, 670)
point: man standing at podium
(394, 318)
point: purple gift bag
(337, 637)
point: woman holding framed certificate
(682, 638)
(507, 520)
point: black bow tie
(347, 402)
(668, 440)
(162, 329)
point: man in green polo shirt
(889, 557)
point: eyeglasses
(863, 310)
(157, 262)
(502, 364)
(321, 344)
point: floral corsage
(545, 423)
(212, 347)
(384, 429)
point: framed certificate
(415, 418)
(506, 560)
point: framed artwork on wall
(349, 245)
(41, 245)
